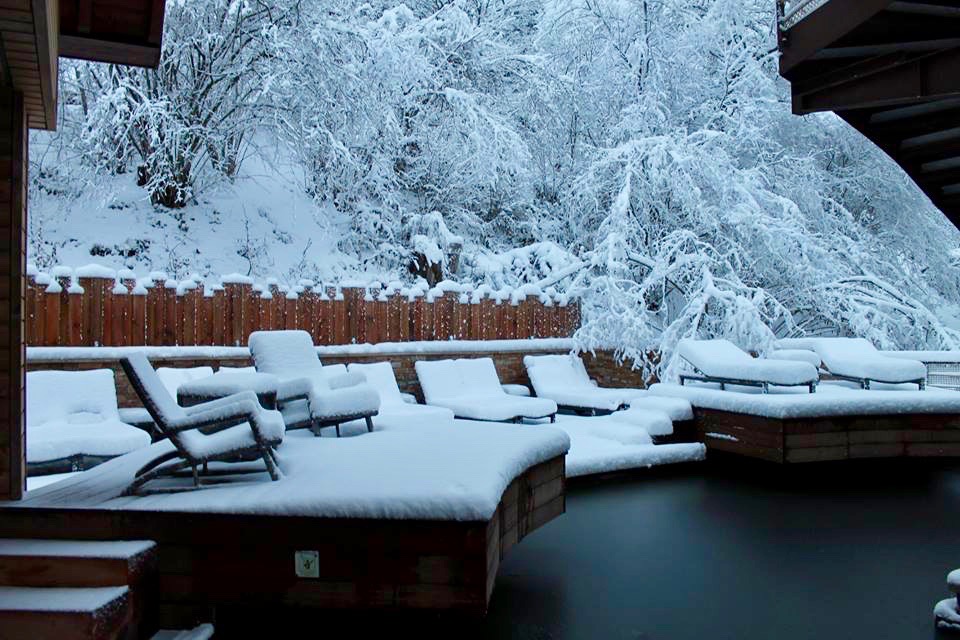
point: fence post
(51, 313)
(75, 315)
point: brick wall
(602, 367)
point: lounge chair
(393, 403)
(73, 423)
(723, 362)
(232, 429)
(471, 389)
(564, 379)
(308, 395)
(857, 360)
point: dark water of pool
(724, 550)
(739, 551)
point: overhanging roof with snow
(33, 33)
(890, 68)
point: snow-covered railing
(793, 11)
(96, 306)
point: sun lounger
(564, 379)
(723, 362)
(393, 403)
(73, 423)
(471, 389)
(232, 429)
(857, 360)
(308, 395)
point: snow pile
(800, 355)
(723, 359)
(73, 413)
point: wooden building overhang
(33, 33)
(890, 68)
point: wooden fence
(98, 311)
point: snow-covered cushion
(56, 395)
(250, 369)
(381, 377)
(497, 407)
(471, 388)
(439, 379)
(677, 408)
(73, 413)
(653, 421)
(284, 353)
(479, 375)
(800, 355)
(57, 439)
(360, 399)
(723, 359)
(858, 358)
(564, 379)
(173, 377)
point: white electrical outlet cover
(307, 564)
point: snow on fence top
(96, 306)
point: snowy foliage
(641, 154)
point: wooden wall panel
(13, 204)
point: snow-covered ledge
(67, 354)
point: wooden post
(138, 316)
(13, 228)
(51, 314)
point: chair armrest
(345, 380)
(409, 398)
(516, 390)
(230, 400)
(222, 417)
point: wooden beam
(928, 77)
(13, 203)
(46, 28)
(107, 51)
(155, 32)
(822, 28)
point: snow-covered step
(74, 563)
(45, 613)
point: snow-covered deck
(838, 422)
(410, 516)
(417, 473)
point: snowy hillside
(640, 154)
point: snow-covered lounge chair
(309, 396)
(73, 422)
(564, 379)
(232, 429)
(723, 362)
(471, 389)
(857, 360)
(393, 403)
